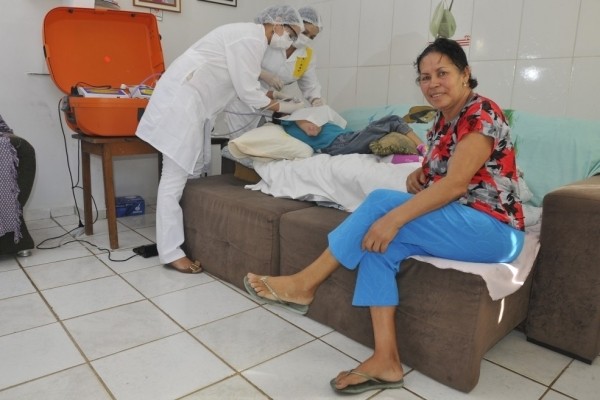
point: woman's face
(310, 30)
(444, 86)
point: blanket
(344, 181)
(10, 208)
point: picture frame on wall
(232, 3)
(167, 5)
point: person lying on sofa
(462, 203)
(324, 130)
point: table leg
(87, 192)
(109, 194)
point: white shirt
(275, 61)
(198, 85)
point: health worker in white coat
(282, 67)
(197, 86)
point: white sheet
(346, 180)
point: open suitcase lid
(94, 47)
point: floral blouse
(494, 189)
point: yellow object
(302, 63)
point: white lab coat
(198, 85)
(274, 61)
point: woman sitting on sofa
(463, 204)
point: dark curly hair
(453, 51)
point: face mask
(303, 41)
(281, 42)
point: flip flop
(371, 383)
(192, 268)
(301, 309)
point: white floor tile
(311, 326)
(158, 280)
(14, 283)
(86, 297)
(23, 312)
(66, 272)
(77, 383)
(303, 373)
(165, 369)
(148, 232)
(232, 388)
(48, 255)
(552, 395)
(68, 219)
(535, 362)
(580, 380)
(101, 242)
(202, 304)
(34, 353)
(395, 394)
(132, 264)
(51, 235)
(495, 383)
(147, 220)
(40, 224)
(352, 348)
(8, 263)
(110, 331)
(249, 338)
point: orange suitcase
(102, 48)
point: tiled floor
(76, 325)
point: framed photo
(232, 3)
(167, 5)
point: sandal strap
(363, 375)
(264, 281)
(195, 266)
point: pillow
(268, 142)
(393, 143)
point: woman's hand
(415, 181)
(380, 234)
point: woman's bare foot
(186, 265)
(387, 370)
(286, 287)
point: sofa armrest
(564, 313)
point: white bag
(443, 23)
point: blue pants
(454, 232)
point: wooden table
(107, 147)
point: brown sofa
(564, 313)
(446, 319)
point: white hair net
(281, 15)
(310, 15)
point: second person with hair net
(195, 88)
(281, 67)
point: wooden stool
(107, 148)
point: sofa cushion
(231, 230)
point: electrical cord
(257, 114)
(75, 185)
